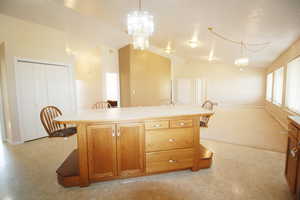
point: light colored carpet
(252, 127)
(27, 172)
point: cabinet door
(291, 163)
(101, 151)
(130, 148)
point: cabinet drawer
(169, 160)
(293, 131)
(167, 139)
(157, 124)
(181, 123)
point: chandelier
(140, 26)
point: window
(269, 87)
(112, 88)
(293, 85)
(278, 86)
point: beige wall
(28, 40)
(31, 41)
(226, 84)
(281, 112)
(145, 77)
(90, 75)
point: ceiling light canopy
(140, 26)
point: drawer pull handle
(172, 161)
(181, 123)
(294, 152)
(157, 125)
(171, 140)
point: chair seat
(65, 132)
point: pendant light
(140, 26)
(243, 61)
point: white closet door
(32, 97)
(189, 91)
(40, 85)
(59, 87)
(184, 89)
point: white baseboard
(13, 142)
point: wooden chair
(113, 103)
(209, 105)
(101, 105)
(53, 128)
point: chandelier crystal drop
(140, 26)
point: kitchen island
(134, 141)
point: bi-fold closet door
(40, 85)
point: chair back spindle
(47, 116)
(209, 105)
(101, 105)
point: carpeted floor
(27, 172)
(252, 127)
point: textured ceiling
(176, 22)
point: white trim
(71, 79)
(2, 116)
(14, 142)
(18, 59)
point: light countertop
(296, 120)
(133, 113)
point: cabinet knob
(157, 125)
(172, 161)
(171, 140)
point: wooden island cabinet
(130, 142)
(292, 169)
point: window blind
(278, 86)
(269, 87)
(293, 85)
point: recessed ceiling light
(169, 49)
(193, 43)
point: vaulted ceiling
(176, 22)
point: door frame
(27, 60)
(2, 117)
